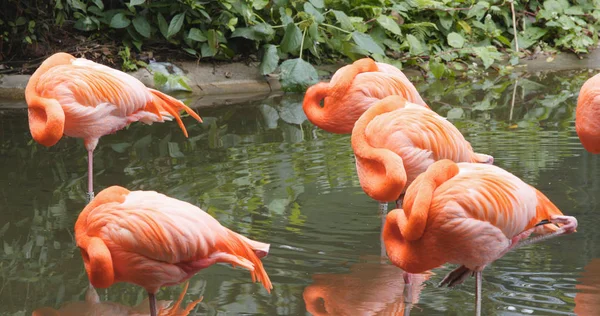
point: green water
(261, 169)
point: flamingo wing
(89, 84)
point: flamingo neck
(381, 171)
(411, 256)
(312, 104)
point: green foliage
(415, 32)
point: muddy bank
(238, 82)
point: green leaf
(136, 2)
(465, 26)
(77, 4)
(191, 51)
(297, 75)
(270, 59)
(455, 113)
(455, 40)
(310, 9)
(318, 3)
(366, 42)
(99, 4)
(196, 35)
(484, 54)
(389, 24)
(436, 68)
(162, 25)
(142, 26)
(259, 4)
(291, 40)
(344, 20)
(175, 25)
(119, 21)
(415, 46)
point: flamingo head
(46, 120)
(98, 262)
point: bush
(445, 34)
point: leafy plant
(441, 37)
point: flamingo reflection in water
(587, 299)
(369, 289)
(93, 306)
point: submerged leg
(408, 293)
(478, 285)
(152, 300)
(90, 194)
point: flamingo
(468, 214)
(151, 240)
(80, 98)
(394, 141)
(352, 90)
(369, 289)
(93, 306)
(587, 115)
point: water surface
(263, 170)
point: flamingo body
(587, 115)
(352, 90)
(80, 98)
(394, 141)
(152, 240)
(463, 213)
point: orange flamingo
(394, 141)
(152, 240)
(80, 98)
(352, 90)
(92, 306)
(369, 289)
(587, 299)
(469, 214)
(587, 115)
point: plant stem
(514, 20)
(302, 43)
(337, 28)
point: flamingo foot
(456, 276)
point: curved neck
(411, 256)
(417, 201)
(380, 171)
(312, 103)
(46, 116)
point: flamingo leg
(383, 210)
(90, 194)
(399, 201)
(152, 300)
(569, 225)
(478, 288)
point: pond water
(263, 170)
